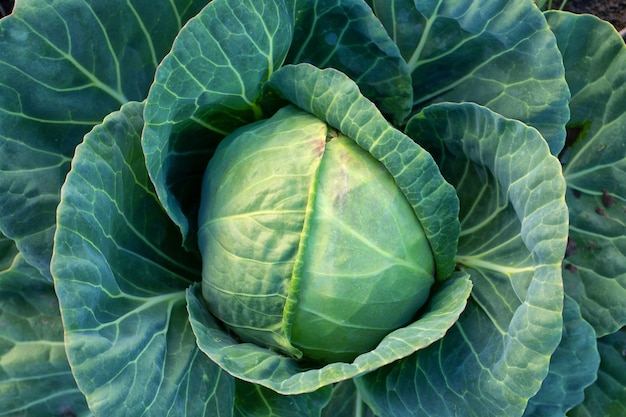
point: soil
(6, 6)
(613, 11)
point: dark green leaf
(257, 401)
(513, 236)
(345, 35)
(35, 376)
(573, 367)
(500, 54)
(120, 275)
(607, 397)
(64, 65)
(594, 165)
(346, 402)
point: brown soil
(5, 7)
(613, 11)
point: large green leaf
(333, 97)
(254, 400)
(206, 87)
(594, 165)
(499, 53)
(64, 65)
(35, 377)
(513, 237)
(346, 402)
(573, 367)
(607, 397)
(120, 274)
(345, 35)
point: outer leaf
(346, 402)
(64, 65)
(345, 35)
(595, 168)
(607, 397)
(573, 367)
(35, 377)
(255, 400)
(120, 276)
(285, 375)
(513, 235)
(334, 98)
(500, 54)
(206, 87)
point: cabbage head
(309, 247)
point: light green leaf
(206, 87)
(513, 236)
(500, 54)
(594, 165)
(285, 375)
(334, 98)
(64, 65)
(254, 400)
(35, 376)
(573, 367)
(345, 35)
(607, 397)
(120, 274)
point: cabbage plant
(311, 208)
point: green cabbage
(308, 244)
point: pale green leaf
(285, 375)
(594, 165)
(207, 86)
(334, 98)
(64, 65)
(120, 274)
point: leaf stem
(422, 42)
(358, 406)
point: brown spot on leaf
(68, 412)
(607, 199)
(570, 249)
(571, 268)
(600, 211)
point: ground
(613, 11)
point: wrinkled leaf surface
(500, 54)
(513, 235)
(594, 165)
(35, 376)
(120, 275)
(64, 65)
